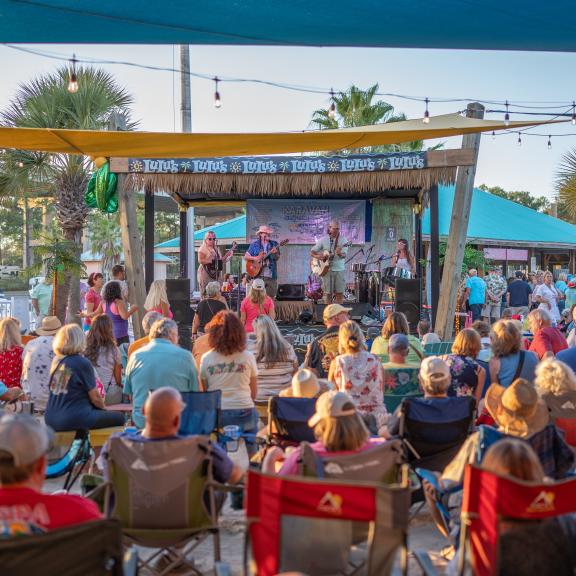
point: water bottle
(232, 434)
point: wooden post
(451, 277)
(149, 238)
(131, 242)
(434, 252)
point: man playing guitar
(264, 245)
(334, 282)
(211, 263)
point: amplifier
(291, 292)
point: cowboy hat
(518, 409)
(305, 384)
(264, 230)
(50, 325)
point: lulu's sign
(281, 164)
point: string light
(217, 101)
(507, 115)
(573, 113)
(426, 118)
(549, 142)
(493, 135)
(73, 79)
(519, 141)
(332, 110)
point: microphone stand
(361, 251)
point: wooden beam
(119, 165)
(451, 276)
(446, 158)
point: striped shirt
(275, 376)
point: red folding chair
(488, 499)
(568, 426)
(311, 526)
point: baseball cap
(434, 366)
(333, 309)
(258, 284)
(331, 405)
(24, 438)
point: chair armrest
(130, 562)
(425, 563)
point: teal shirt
(158, 364)
(570, 297)
(43, 293)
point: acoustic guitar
(254, 267)
(321, 267)
(216, 266)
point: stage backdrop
(303, 222)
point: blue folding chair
(201, 416)
(73, 462)
(288, 420)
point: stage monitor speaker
(178, 291)
(408, 300)
(291, 292)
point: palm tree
(105, 239)
(355, 107)
(566, 184)
(45, 102)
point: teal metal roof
(92, 257)
(231, 229)
(477, 24)
(496, 219)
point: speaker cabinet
(408, 300)
(178, 291)
(291, 292)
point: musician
(256, 251)
(210, 262)
(403, 258)
(334, 283)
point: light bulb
(573, 113)
(217, 101)
(519, 142)
(426, 118)
(73, 79)
(549, 142)
(493, 135)
(332, 109)
(507, 116)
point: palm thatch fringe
(239, 187)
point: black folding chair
(288, 421)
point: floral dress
(11, 366)
(360, 376)
(463, 375)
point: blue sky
(515, 76)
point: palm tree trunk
(73, 279)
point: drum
(358, 267)
(361, 287)
(393, 272)
(374, 289)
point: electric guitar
(217, 265)
(320, 266)
(254, 267)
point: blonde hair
(257, 297)
(467, 343)
(156, 295)
(512, 457)
(435, 384)
(505, 338)
(396, 323)
(540, 315)
(350, 338)
(554, 377)
(9, 334)
(342, 432)
(69, 340)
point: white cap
(24, 438)
(331, 405)
(258, 284)
(433, 365)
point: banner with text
(303, 222)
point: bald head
(162, 412)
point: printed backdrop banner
(303, 222)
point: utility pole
(185, 92)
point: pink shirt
(252, 311)
(93, 297)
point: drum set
(373, 286)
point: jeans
(247, 420)
(476, 310)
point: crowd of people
(518, 365)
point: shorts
(492, 310)
(334, 283)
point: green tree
(45, 102)
(105, 238)
(566, 186)
(356, 107)
(473, 258)
(538, 203)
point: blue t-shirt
(69, 407)
(477, 288)
(568, 356)
(509, 364)
(256, 247)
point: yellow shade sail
(197, 145)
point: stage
(290, 310)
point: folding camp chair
(306, 525)
(434, 429)
(489, 499)
(74, 461)
(202, 413)
(400, 383)
(91, 549)
(163, 494)
(438, 348)
(288, 421)
(382, 463)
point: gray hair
(435, 384)
(162, 328)
(540, 315)
(149, 319)
(212, 289)
(271, 346)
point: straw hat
(334, 309)
(265, 230)
(518, 409)
(305, 384)
(50, 325)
